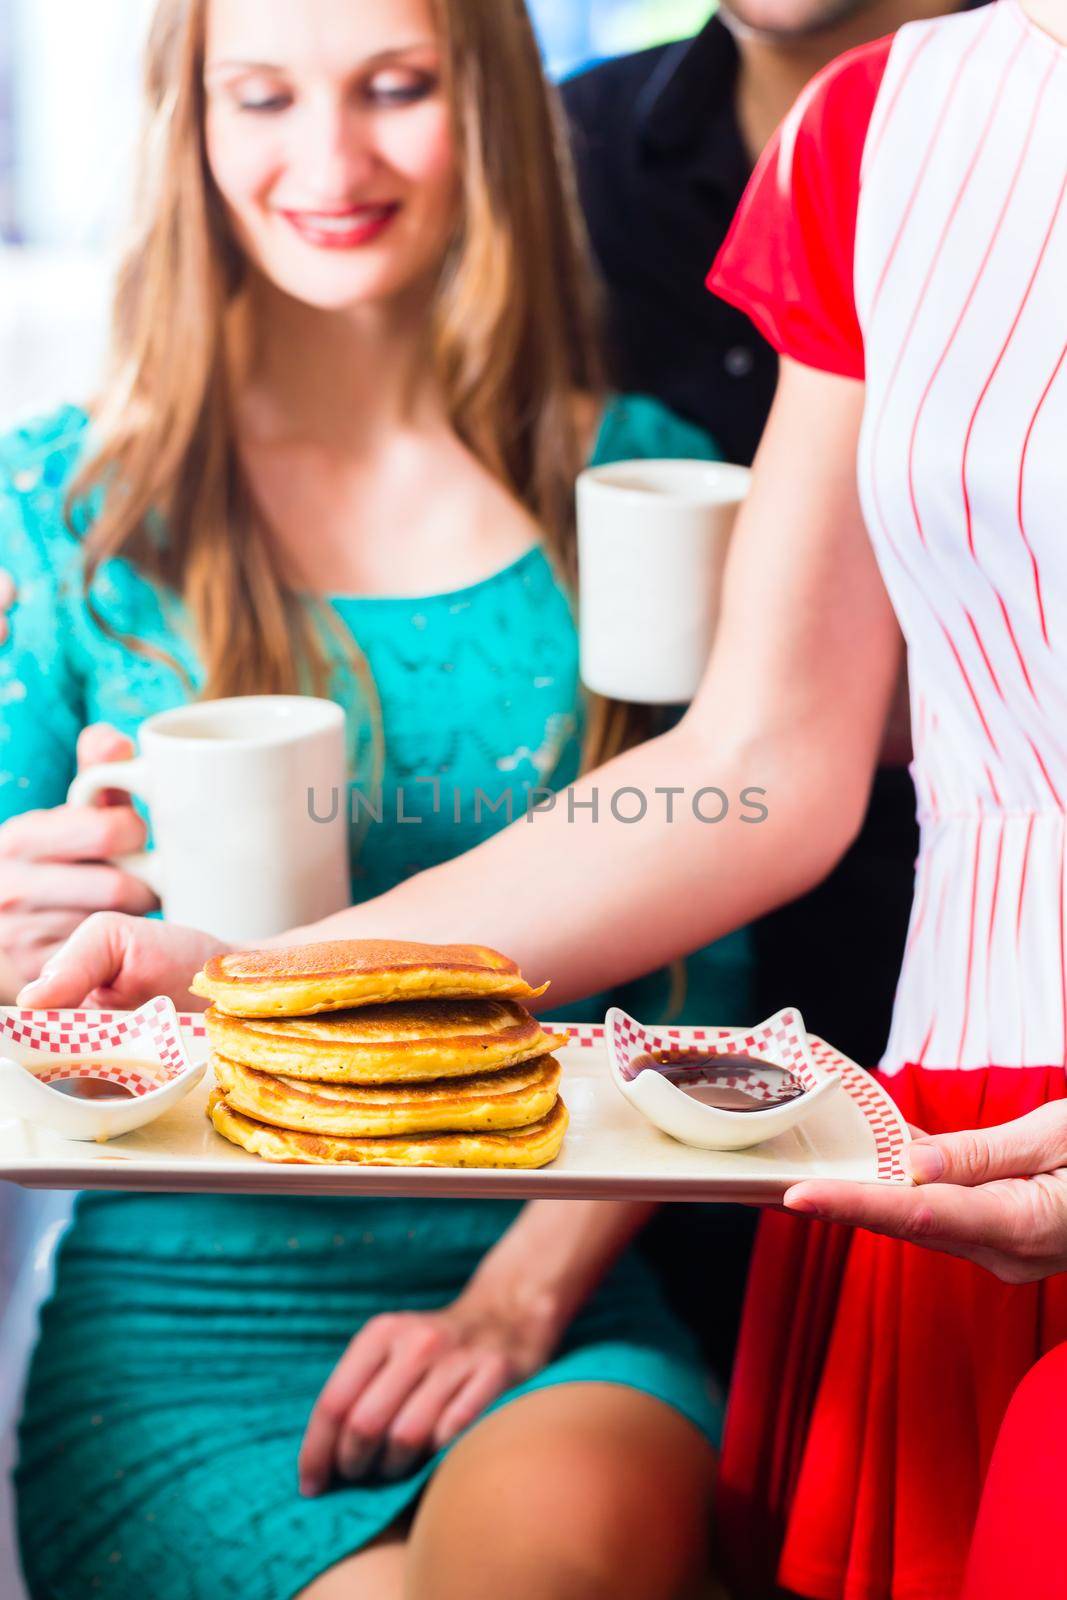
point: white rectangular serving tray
(610, 1151)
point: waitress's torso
(960, 268)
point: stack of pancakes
(386, 1054)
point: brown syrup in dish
(720, 1080)
(83, 1085)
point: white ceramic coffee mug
(652, 542)
(248, 805)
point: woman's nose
(335, 153)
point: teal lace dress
(188, 1336)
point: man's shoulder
(598, 94)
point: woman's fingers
(492, 1376)
(412, 1431)
(369, 1420)
(26, 887)
(1034, 1143)
(29, 944)
(101, 742)
(54, 871)
(50, 927)
(406, 1385)
(73, 833)
(363, 1358)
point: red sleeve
(787, 261)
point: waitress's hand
(409, 1382)
(116, 963)
(997, 1196)
(54, 867)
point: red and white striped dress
(908, 226)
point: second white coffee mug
(652, 543)
(248, 805)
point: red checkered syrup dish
(645, 1070)
(141, 1054)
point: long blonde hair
(514, 337)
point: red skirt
(871, 1381)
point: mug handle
(132, 776)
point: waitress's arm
(794, 703)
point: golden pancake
(383, 1043)
(532, 1146)
(512, 1098)
(300, 980)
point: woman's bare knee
(567, 1494)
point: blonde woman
(353, 376)
(888, 1402)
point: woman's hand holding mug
(55, 868)
(249, 820)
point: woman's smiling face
(330, 140)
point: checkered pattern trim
(780, 1041)
(783, 1040)
(587, 1034)
(152, 1033)
(886, 1123)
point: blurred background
(66, 154)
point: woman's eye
(396, 89)
(273, 102)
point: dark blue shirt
(661, 168)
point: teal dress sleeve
(42, 699)
(635, 427)
(714, 984)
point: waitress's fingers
(136, 957)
